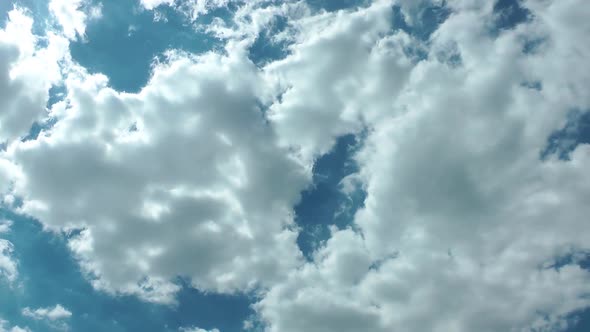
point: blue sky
(294, 166)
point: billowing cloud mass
(463, 222)
(469, 224)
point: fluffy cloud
(340, 76)
(54, 317)
(463, 224)
(181, 179)
(465, 227)
(26, 74)
(73, 16)
(50, 313)
(151, 4)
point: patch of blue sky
(5, 7)
(265, 49)
(124, 42)
(509, 14)
(428, 19)
(580, 321)
(49, 275)
(325, 203)
(575, 132)
(56, 93)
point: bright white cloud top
(464, 227)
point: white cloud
(463, 222)
(151, 4)
(26, 74)
(462, 219)
(5, 226)
(50, 313)
(8, 264)
(73, 15)
(340, 76)
(196, 329)
(181, 179)
(4, 327)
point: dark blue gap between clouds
(325, 204)
(563, 141)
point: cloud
(151, 4)
(181, 179)
(4, 327)
(463, 224)
(73, 16)
(5, 226)
(50, 313)
(8, 264)
(339, 76)
(27, 71)
(196, 329)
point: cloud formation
(27, 72)
(463, 223)
(466, 226)
(181, 179)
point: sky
(294, 165)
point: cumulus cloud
(5, 226)
(463, 223)
(464, 227)
(8, 264)
(181, 179)
(50, 313)
(55, 317)
(27, 71)
(73, 15)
